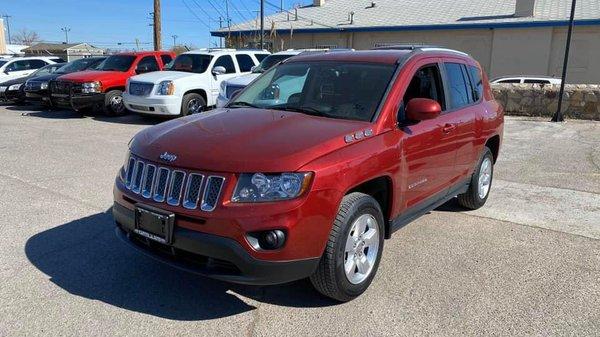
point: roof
(220, 51)
(334, 15)
(56, 46)
(375, 56)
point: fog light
(267, 240)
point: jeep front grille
(175, 187)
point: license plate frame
(154, 224)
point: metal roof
(334, 15)
(57, 46)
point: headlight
(44, 85)
(123, 169)
(91, 87)
(259, 187)
(15, 86)
(223, 87)
(166, 88)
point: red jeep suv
(102, 88)
(308, 169)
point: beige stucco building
(507, 37)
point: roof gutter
(491, 25)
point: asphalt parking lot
(528, 263)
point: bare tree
(26, 37)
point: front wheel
(353, 251)
(481, 183)
(192, 103)
(113, 103)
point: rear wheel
(113, 103)
(481, 183)
(353, 251)
(192, 103)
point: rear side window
(476, 82)
(510, 81)
(166, 58)
(458, 86)
(149, 63)
(36, 64)
(245, 62)
(537, 81)
(226, 62)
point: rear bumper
(211, 255)
(153, 105)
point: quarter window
(476, 82)
(226, 62)
(458, 85)
(245, 62)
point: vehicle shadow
(85, 258)
(42, 112)
(451, 205)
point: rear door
(464, 97)
(429, 148)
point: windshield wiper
(302, 109)
(241, 104)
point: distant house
(68, 51)
(507, 37)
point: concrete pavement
(528, 263)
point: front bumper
(13, 95)
(211, 255)
(79, 101)
(37, 96)
(154, 105)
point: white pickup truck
(190, 83)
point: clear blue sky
(107, 22)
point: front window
(117, 63)
(328, 89)
(269, 62)
(192, 63)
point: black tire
(471, 199)
(110, 107)
(189, 98)
(329, 278)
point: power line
(66, 30)
(195, 15)
(235, 8)
(301, 17)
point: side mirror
(219, 70)
(253, 68)
(6, 72)
(420, 109)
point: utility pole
(6, 17)
(262, 24)
(66, 30)
(174, 40)
(156, 16)
(558, 116)
(281, 7)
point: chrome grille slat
(148, 182)
(129, 173)
(192, 190)
(175, 188)
(212, 191)
(160, 189)
(137, 177)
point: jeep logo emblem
(168, 157)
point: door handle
(448, 128)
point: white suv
(190, 83)
(18, 67)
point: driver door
(428, 146)
(225, 61)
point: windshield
(192, 63)
(2, 62)
(269, 62)
(78, 65)
(329, 89)
(116, 63)
(49, 69)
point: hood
(94, 75)
(159, 76)
(46, 78)
(14, 81)
(244, 140)
(243, 80)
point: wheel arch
(198, 91)
(494, 145)
(382, 190)
(109, 89)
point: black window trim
(446, 80)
